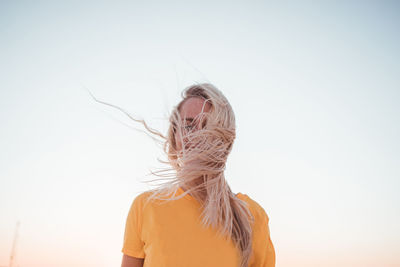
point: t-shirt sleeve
(264, 251)
(133, 244)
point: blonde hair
(199, 167)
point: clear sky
(315, 87)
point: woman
(194, 219)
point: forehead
(193, 106)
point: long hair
(199, 166)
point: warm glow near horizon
(314, 87)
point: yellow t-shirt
(171, 235)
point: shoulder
(146, 198)
(141, 198)
(138, 203)
(255, 208)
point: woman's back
(171, 234)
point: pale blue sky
(314, 85)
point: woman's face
(191, 108)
